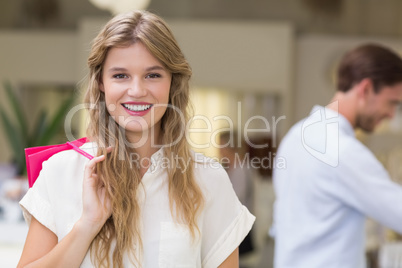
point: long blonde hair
(121, 179)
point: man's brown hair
(380, 64)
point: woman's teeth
(137, 108)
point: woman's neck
(145, 145)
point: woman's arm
(41, 248)
(232, 261)
(40, 240)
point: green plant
(19, 134)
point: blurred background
(261, 63)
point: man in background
(331, 181)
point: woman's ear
(101, 87)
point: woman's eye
(119, 76)
(153, 75)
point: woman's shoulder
(69, 157)
(210, 173)
(205, 164)
(64, 169)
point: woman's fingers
(89, 168)
(92, 163)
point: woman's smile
(137, 108)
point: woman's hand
(96, 207)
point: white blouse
(55, 200)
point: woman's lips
(137, 108)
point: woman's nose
(137, 88)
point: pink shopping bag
(35, 156)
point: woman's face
(136, 87)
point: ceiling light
(120, 6)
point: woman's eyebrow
(117, 69)
(154, 68)
(121, 69)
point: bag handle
(76, 148)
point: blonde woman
(146, 200)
